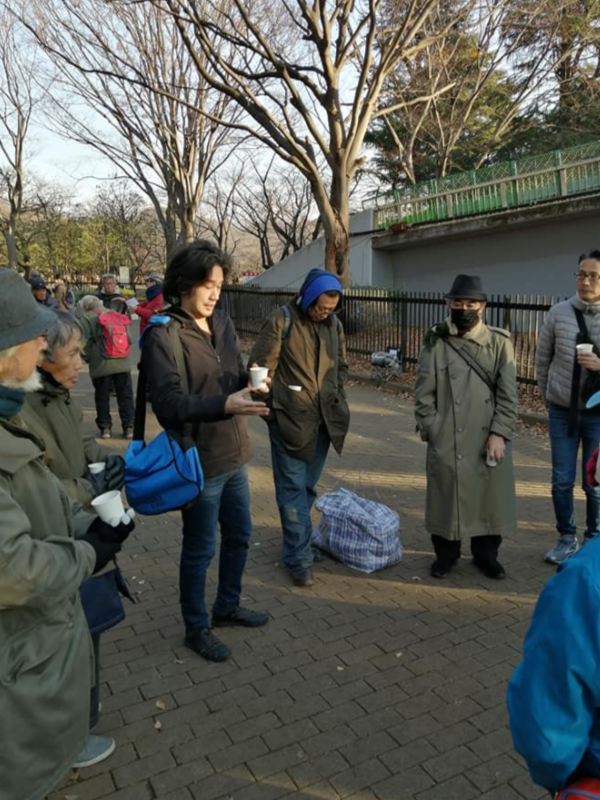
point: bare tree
(277, 209)
(502, 61)
(308, 76)
(216, 216)
(19, 94)
(146, 106)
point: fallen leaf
(178, 661)
(398, 655)
(416, 578)
(140, 582)
(161, 704)
(340, 669)
(158, 724)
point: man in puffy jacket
(562, 374)
(554, 693)
(304, 348)
(48, 546)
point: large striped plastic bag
(360, 533)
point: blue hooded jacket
(554, 693)
(316, 282)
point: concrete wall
(290, 272)
(536, 255)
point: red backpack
(583, 789)
(114, 336)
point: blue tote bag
(164, 475)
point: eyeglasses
(323, 312)
(592, 277)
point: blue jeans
(296, 491)
(226, 500)
(564, 468)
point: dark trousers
(124, 392)
(484, 549)
(225, 500)
(95, 692)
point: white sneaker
(565, 547)
(96, 749)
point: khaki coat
(312, 355)
(456, 412)
(46, 657)
(56, 419)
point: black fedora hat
(467, 287)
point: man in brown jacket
(303, 346)
(466, 411)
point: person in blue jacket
(554, 693)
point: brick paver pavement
(388, 686)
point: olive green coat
(100, 367)
(55, 418)
(313, 356)
(46, 658)
(456, 412)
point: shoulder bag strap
(576, 379)
(477, 368)
(177, 348)
(139, 420)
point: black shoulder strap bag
(592, 381)
(477, 368)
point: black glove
(115, 472)
(106, 532)
(98, 482)
(105, 551)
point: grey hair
(61, 332)
(90, 302)
(10, 351)
(110, 275)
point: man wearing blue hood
(303, 346)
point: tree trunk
(336, 224)
(11, 245)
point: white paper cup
(258, 376)
(585, 348)
(109, 506)
(295, 388)
(96, 467)
(491, 462)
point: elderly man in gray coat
(567, 375)
(466, 411)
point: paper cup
(258, 375)
(109, 506)
(585, 348)
(295, 388)
(96, 467)
(491, 462)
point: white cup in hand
(258, 376)
(97, 467)
(109, 506)
(585, 349)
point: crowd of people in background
(61, 586)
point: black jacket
(214, 371)
(114, 302)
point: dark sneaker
(245, 617)
(441, 568)
(105, 433)
(96, 749)
(491, 569)
(206, 644)
(317, 555)
(302, 577)
(128, 433)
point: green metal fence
(511, 184)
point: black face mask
(463, 318)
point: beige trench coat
(456, 412)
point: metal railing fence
(375, 319)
